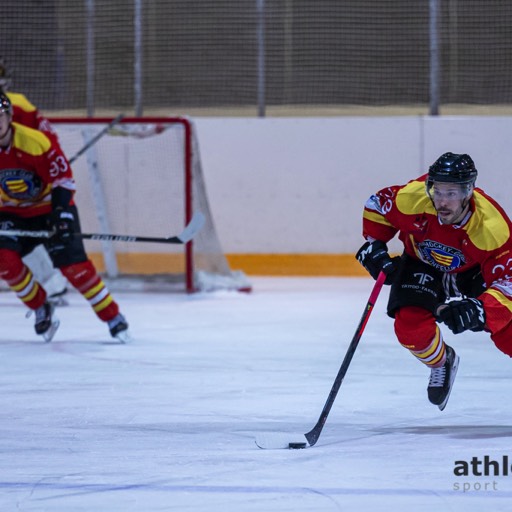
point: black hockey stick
(275, 440)
(97, 137)
(190, 231)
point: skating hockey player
(36, 193)
(456, 267)
(24, 112)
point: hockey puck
(296, 446)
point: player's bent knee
(414, 326)
(78, 274)
(11, 264)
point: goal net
(143, 177)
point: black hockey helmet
(5, 103)
(453, 168)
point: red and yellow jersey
(482, 239)
(24, 112)
(30, 168)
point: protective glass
(441, 191)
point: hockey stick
(276, 440)
(190, 231)
(97, 137)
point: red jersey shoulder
(21, 102)
(23, 111)
(398, 201)
(26, 113)
(489, 226)
(30, 141)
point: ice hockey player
(36, 193)
(456, 267)
(24, 112)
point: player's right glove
(375, 258)
(462, 315)
(62, 221)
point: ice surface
(169, 421)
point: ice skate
(118, 327)
(442, 378)
(46, 323)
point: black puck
(296, 446)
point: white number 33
(59, 165)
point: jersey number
(59, 165)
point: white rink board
(298, 185)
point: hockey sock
(20, 279)
(85, 279)
(434, 355)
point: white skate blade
(123, 337)
(50, 333)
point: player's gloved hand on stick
(375, 258)
(62, 222)
(461, 315)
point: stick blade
(193, 227)
(280, 440)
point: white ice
(168, 422)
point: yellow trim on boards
(252, 264)
(297, 264)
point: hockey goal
(143, 177)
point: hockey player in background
(456, 267)
(24, 112)
(36, 193)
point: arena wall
(287, 193)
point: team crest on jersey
(440, 256)
(20, 184)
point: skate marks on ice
(453, 431)
(342, 433)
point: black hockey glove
(461, 315)
(374, 257)
(62, 222)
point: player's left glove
(462, 315)
(62, 221)
(375, 258)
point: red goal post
(143, 177)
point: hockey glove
(375, 258)
(62, 222)
(461, 315)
